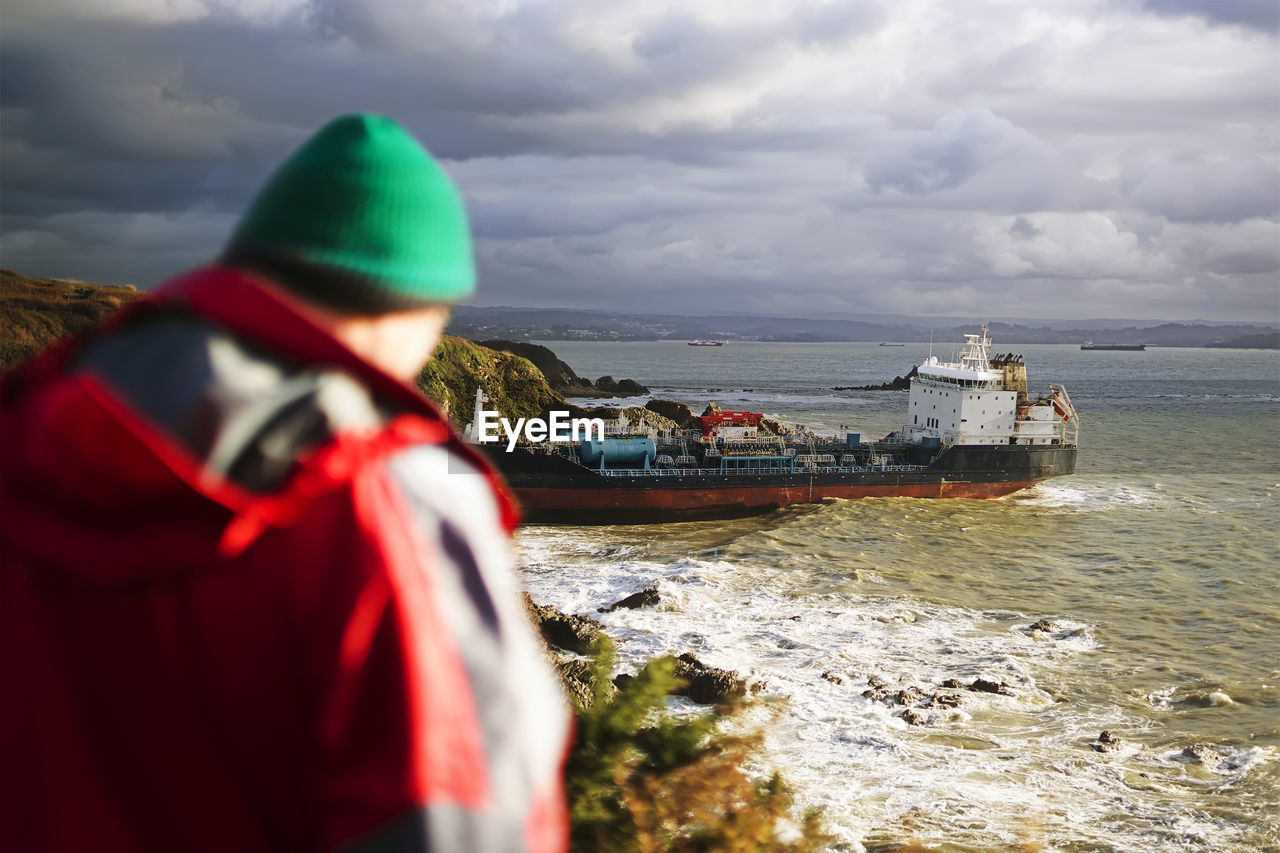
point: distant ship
(702, 343)
(972, 431)
(892, 345)
(1129, 347)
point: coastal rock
(630, 388)
(907, 696)
(646, 597)
(914, 718)
(943, 700)
(578, 677)
(1048, 626)
(707, 685)
(772, 427)
(898, 383)
(877, 690)
(952, 684)
(703, 684)
(681, 414)
(637, 416)
(559, 375)
(984, 685)
(562, 630)
(828, 675)
(1202, 754)
(914, 699)
(1107, 742)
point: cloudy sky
(1005, 158)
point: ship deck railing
(716, 472)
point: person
(254, 593)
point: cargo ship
(971, 431)
(1090, 345)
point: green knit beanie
(361, 219)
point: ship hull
(554, 490)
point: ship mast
(977, 348)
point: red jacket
(255, 595)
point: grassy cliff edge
(515, 387)
(35, 312)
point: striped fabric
(255, 600)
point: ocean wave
(637, 401)
(724, 398)
(1054, 496)
(818, 398)
(824, 653)
(1222, 759)
(1244, 398)
(897, 708)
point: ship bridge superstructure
(980, 400)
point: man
(254, 594)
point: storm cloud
(1067, 158)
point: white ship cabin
(974, 401)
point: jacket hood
(85, 493)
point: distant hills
(553, 324)
(1267, 340)
(36, 311)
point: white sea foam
(1101, 497)
(637, 401)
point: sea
(1156, 565)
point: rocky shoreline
(571, 636)
(898, 383)
(561, 377)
